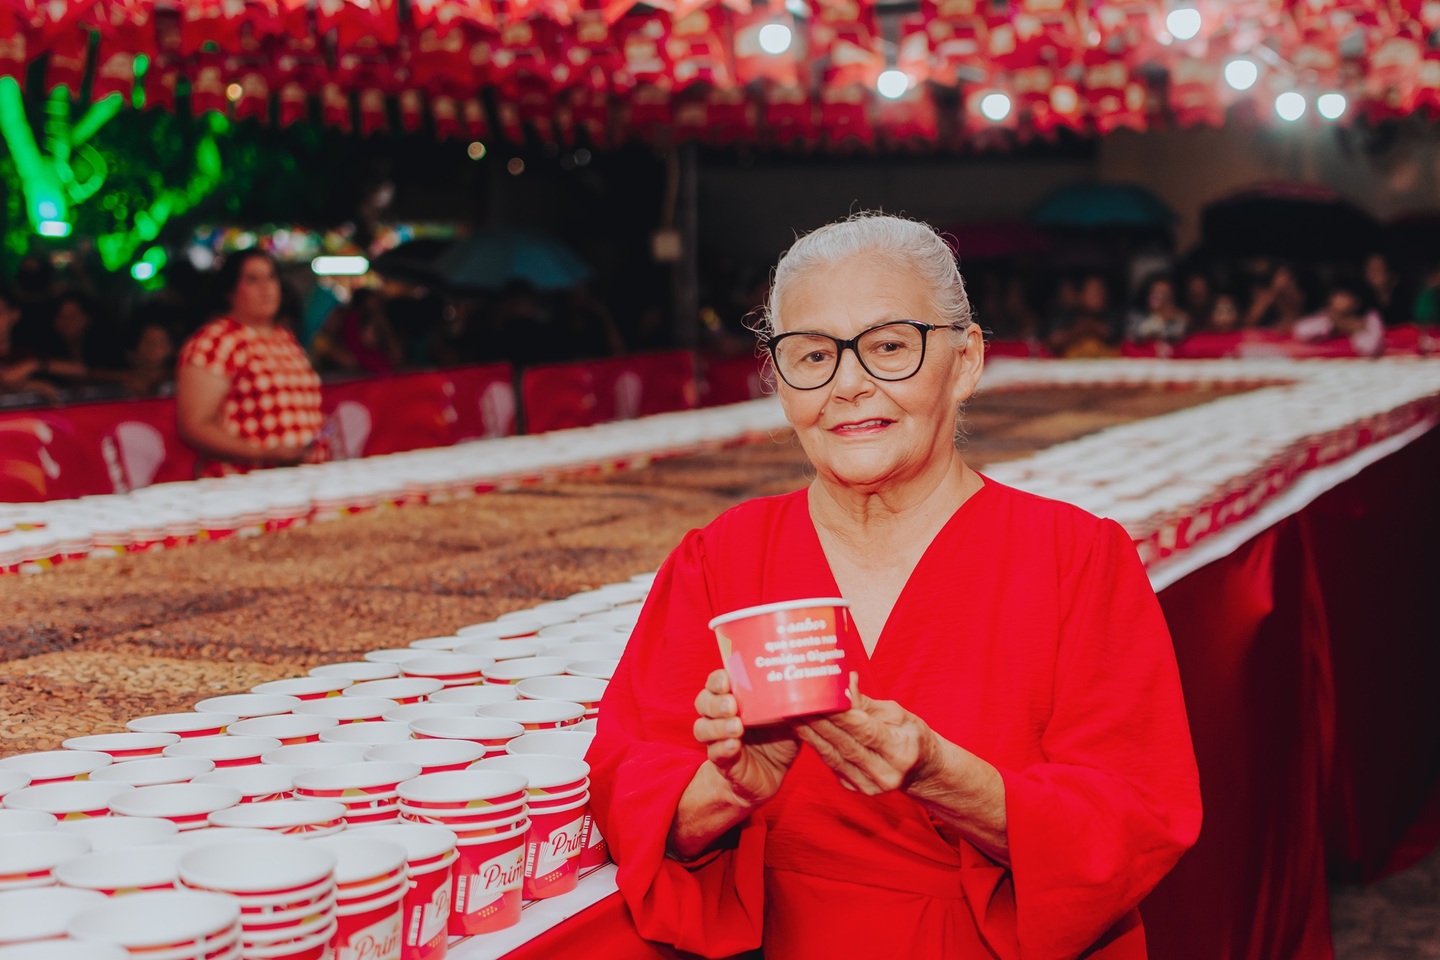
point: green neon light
(143, 271)
(53, 228)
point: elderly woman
(246, 394)
(1015, 773)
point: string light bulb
(1290, 106)
(995, 106)
(893, 83)
(775, 38)
(1183, 23)
(1241, 73)
(1331, 106)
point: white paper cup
(582, 690)
(368, 734)
(310, 755)
(41, 913)
(558, 743)
(433, 756)
(120, 833)
(451, 669)
(304, 688)
(157, 770)
(596, 669)
(493, 733)
(475, 696)
(348, 709)
(501, 649)
(123, 746)
(512, 626)
(540, 617)
(392, 655)
(354, 781)
(215, 836)
(191, 922)
(68, 799)
(225, 751)
(588, 725)
(26, 821)
(364, 866)
(410, 712)
(12, 780)
(131, 870)
(184, 725)
(268, 870)
(537, 714)
(544, 774)
(586, 650)
(287, 817)
(27, 859)
(402, 689)
(64, 949)
(256, 783)
(50, 766)
(569, 631)
(299, 948)
(288, 728)
(437, 644)
(476, 789)
(356, 671)
(189, 805)
(247, 705)
(513, 671)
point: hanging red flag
(642, 40)
(335, 106)
(472, 111)
(162, 82)
(910, 121)
(14, 49)
(444, 16)
(697, 50)
(958, 35)
(47, 21)
(211, 21)
(651, 114)
(357, 21)
(752, 63)
(207, 85)
(412, 110)
(1195, 93)
(732, 116)
(790, 116)
(453, 63)
(254, 99)
(844, 116)
(66, 66)
(849, 36)
(1112, 97)
(590, 112)
(445, 115)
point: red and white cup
(154, 771)
(368, 734)
(247, 705)
(587, 649)
(536, 714)
(512, 626)
(393, 655)
(68, 799)
(164, 925)
(256, 783)
(546, 776)
(123, 746)
(566, 742)
(210, 836)
(475, 696)
(498, 650)
(288, 728)
(489, 874)
(305, 688)
(311, 755)
(554, 844)
(410, 712)
(63, 950)
(187, 805)
(586, 691)
(28, 821)
(451, 669)
(401, 689)
(285, 890)
(308, 818)
(595, 669)
(357, 671)
(124, 871)
(490, 732)
(121, 833)
(476, 791)
(12, 780)
(348, 709)
(786, 659)
(28, 859)
(367, 789)
(433, 756)
(523, 668)
(425, 909)
(184, 725)
(41, 913)
(370, 881)
(55, 766)
(225, 751)
(444, 644)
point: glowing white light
(476, 150)
(142, 270)
(53, 228)
(1241, 74)
(893, 83)
(1183, 22)
(775, 38)
(995, 106)
(1331, 106)
(48, 209)
(339, 266)
(1290, 105)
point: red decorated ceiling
(599, 71)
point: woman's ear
(969, 363)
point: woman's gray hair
(904, 244)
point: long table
(1308, 650)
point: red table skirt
(1309, 658)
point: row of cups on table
(517, 827)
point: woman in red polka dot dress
(246, 394)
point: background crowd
(61, 343)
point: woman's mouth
(862, 426)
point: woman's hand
(753, 762)
(874, 747)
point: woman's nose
(851, 377)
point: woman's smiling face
(859, 430)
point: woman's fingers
(853, 775)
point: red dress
(1029, 634)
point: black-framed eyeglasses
(888, 351)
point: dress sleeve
(644, 756)
(1094, 827)
(213, 348)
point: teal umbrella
(490, 259)
(1084, 205)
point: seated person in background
(1092, 330)
(1344, 316)
(246, 395)
(1200, 298)
(359, 337)
(1159, 317)
(64, 342)
(1279, 302)
(151, 360)
(17, 368)
(1385, 289)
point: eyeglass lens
(891, 352)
